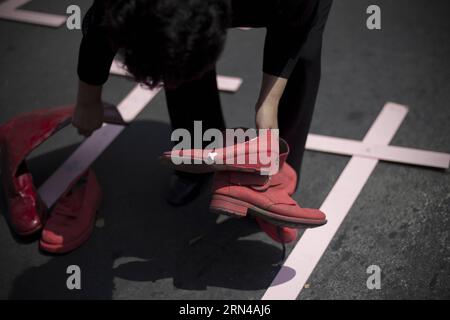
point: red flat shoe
(27, 211)
(18, 137)
(258, 155)
(73, 217)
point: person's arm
(284, 39)
(88, 114)
(94, 61)
(272, 88)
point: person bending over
(176, 44)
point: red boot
(237, 193)
(288, 178)
(18, 137)
(277, 233)
(257, 155)
(72, 219)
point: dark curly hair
(168, 41)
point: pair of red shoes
(72, 218)
(239, 190)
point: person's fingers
(85, 129)
(85, 133)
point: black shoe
(185, 187)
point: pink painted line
(293, 275)
(349, 147)
(93, 146)
(118, 70)
(9, 10)
(224, 83)
(11, 5)
(228, 84)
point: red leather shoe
(258, 155)
(282, 234)
(239, 193)
(277, 233)
(73, 217)
(26, 209)
(289, 178)
(18, 137)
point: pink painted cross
(307, 253)
(9, 10)
(293, 275)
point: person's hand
(88, 117)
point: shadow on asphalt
(144, 239)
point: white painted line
(349, 147)
(93, 146)
(9, 10)
(224, 83)
(309, 249)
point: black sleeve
(96, 51)
(286, 34)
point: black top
(287, 21)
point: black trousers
(199, 100)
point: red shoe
(258, 155)
(18, 137)
(277, 233)
(27, 211)
(72, 219)
(237, 193)
(289, 178)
